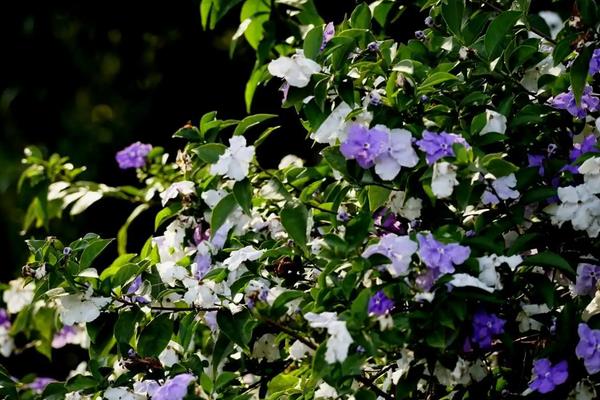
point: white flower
(237, 257)
(212, 197)
(200, 295)
(591, 174)
(488, 265)
(296, 70)
(121, 393)
(7, 344)
(399, 153)
(170, 355)
(544, 67)
(525, 322)
(298, 350)
(339, 338)
(80, 307)
(580, 207)
(265, 347)
(170, 272)
(334, 127)
(40, 272)
(503, 188)
(235, 162)
(495, 122)
(406, 358)
(554, 22)
(290, 160)
(584, 390)
(171, 244)
(325, 392)
(443, 179)
(18, 295)
(185, 188)
(462, 280)
(408, 208)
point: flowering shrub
(444, 246)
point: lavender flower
(439, 145)
(546, 376)
(536, 160)
(485, 327)
(380, 304)
(68, 334)
(588, 348)
(399, 249)
(328, 34)
(441, 258)
(566, 101)
(595, 63)
(200, 234)
(133, 156)
(588, 145)
(587, 278)
(174, 388)
(388, 221)
(364, 145)
(4, 319)
(39, 384)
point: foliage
(444, 247)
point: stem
(161, 308)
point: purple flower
(328, 34)
(536, 160)
(439, 145)
(566, 101)
(595, 63)
(4, 318)
(485, 327)
(389, 221)
(364, 145)
(39, 384)
(588, 145)
(399, 249)
(174, 388)
(380, 304)
(203, 263)
(133, 156)
(587, 278)
(441, 258)
(68, 334)
(546, 376)
(588, 348)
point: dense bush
(444, 247)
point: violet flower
(364, 145)
(536, 160)
(547, 377)
(441, 258)
(133, 156)
(586, 279)
(39, 384)
(174, 388)
(566, 101)
(388, 221)
(328, 34)
(588, 348)
(380, 304)
(66, 335)
(485, 327)
(4, 318)
(439, 145)
(595, 62)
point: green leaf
(279, 305)
(335, 159)
(155, 336)
(579, 72)
(550, 259)
(250, 121)
(588, 9)
(238, 328)
(122, 235)
(209, 152)
(294, 216)
(166, 213)
(435, 79)
(357, 229)
(92, 251)
(452, 12)
(259, 73)
(116, 265)
(242, 190)
(378, 196)
(125, 325)
(361, 17)
(497, 31)
(312, 42)
(222, 211)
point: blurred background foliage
(86, 79)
